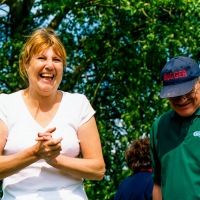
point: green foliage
(115, 51)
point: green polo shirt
(175, 151)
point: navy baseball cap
(179, 76)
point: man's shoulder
(165, 116)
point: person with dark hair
(49, 138)
(139, 185)
(175, 135)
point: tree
(116, 49)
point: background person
(175, 135)
(139, 185)
(44, 131)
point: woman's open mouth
(47, 76)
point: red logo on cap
(175, 75)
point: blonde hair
(40, 40)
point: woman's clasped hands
(47, 147)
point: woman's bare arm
(92, 165)
(10, 164)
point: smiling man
(175, 135)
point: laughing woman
(44, 130)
